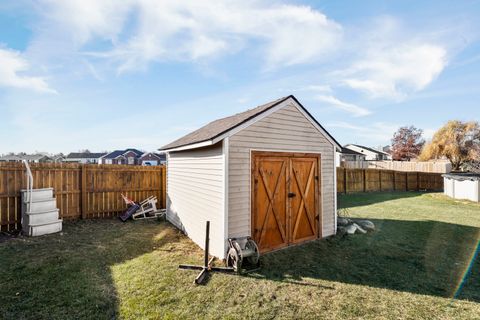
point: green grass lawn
(409, 268)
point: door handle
(291, 194)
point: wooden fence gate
(81, 191)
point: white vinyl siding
(286, 130)
(195, 194)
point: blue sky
(78, 74)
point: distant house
(349, 155)
(85, 157)
(128, 156)
(35, 158)
(58, 158)
(10, 158)
(370, 153)
(152, 159)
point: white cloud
(396, 70)
(297, 34)
(242, 100)
(383, 60)
(317, 88)
(348, 107)
(82, 20)
(93, 71)
(12, 73)
(392, 60)
(377, 132)
(143, 31)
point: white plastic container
(465, 186)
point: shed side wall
(285, 130)
(195, 183)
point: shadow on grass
(424, 257)
(68, 275)
(367, 198)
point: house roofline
(368, 149)
(152, 153)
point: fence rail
(412, 166)
(368, 180)
(81, 190)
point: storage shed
(268, 173)
(462, 185)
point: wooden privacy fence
(369, 180)
(413, 166)
(81, 191)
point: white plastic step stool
(40, 215)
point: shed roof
(221, 126)
(462, 176)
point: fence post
(406, 181)
(345, 180)
(84, 191)
(163, 180)
(394, 187)
(364, 180)
(380, 179)
(418, 181)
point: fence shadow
(364, 199)
(424, 257)
(69, 273)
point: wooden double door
(285, 198)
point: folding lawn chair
(148, 209)
(132, 207)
